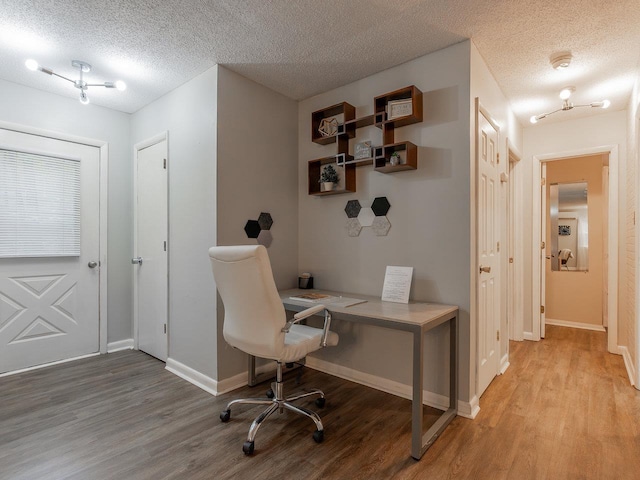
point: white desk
(416, 318)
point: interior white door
(488, 269)
(545, 248)
(151, 248)
(49, 301)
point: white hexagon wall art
(366, 216)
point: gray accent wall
(429, 216)
(257, 172)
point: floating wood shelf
(348, 173)
(404, 104)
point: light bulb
(565, 93)
(533, 119)
(83, 98)
(606, 103)
(120, 85)
(31, 64)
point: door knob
(92, 264)
(137, 261)
(485, 269)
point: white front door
(151, 247)
(488, 269)
(49, 250)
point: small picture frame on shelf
(362, 150)
(399, 108)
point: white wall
(257, 172)
(629, 286)
(486, 89)
(35, 108)
(608, 128)
(429, 216)
(189, 114)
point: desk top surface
(412, 313)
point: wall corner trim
(193, 376)
(469, 409)
(528, 336)
(126, 344)
(631, 371)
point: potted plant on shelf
(394, 159)
(329, 178)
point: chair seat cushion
(302, 340)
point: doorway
(52, 248)
(151, 250)
(566, 262)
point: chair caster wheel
(318, 436)
(247, 447)
(270, 393)
(320, 402)
(225, 415)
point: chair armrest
(308, 313)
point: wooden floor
(563, 410)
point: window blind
(39, 205)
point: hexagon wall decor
(260, 229)
(353, 208)
(380, 226)
(353, 227)
(375, 217)
(252, 228)
(380, 206)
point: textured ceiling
(304, 47)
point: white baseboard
(504, 363)
(631, 370)
(198, 379)
(527, 336)
(441, 402)
(208, 384)
(126, 344)
(469, 409)
(567, 323)
(50, 364)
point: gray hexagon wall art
(260, 229)
(374, 217)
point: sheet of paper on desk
(397, 284)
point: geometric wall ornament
(352, 209)
(66, 304)
(252, 228)
(37, 285)
(374, 217)
(366, 216)
(259, 229)
(380, 206)
(265, 238)
(9, 310)
(265, 221)
(39, 328)
(380, 226)
(353, 227)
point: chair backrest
(253, 312)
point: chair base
(277, 403)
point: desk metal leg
(420, 443)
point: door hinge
(497, 158)
(541, 308)
(510, 259)
(543, 181)
(543, 246)
(164, 163)
(498, 246)
(165, 328)
(165, 245)
(497, 335)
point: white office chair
(255, 322)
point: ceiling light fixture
(561, 60)
(565, 93)
(80, 83)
